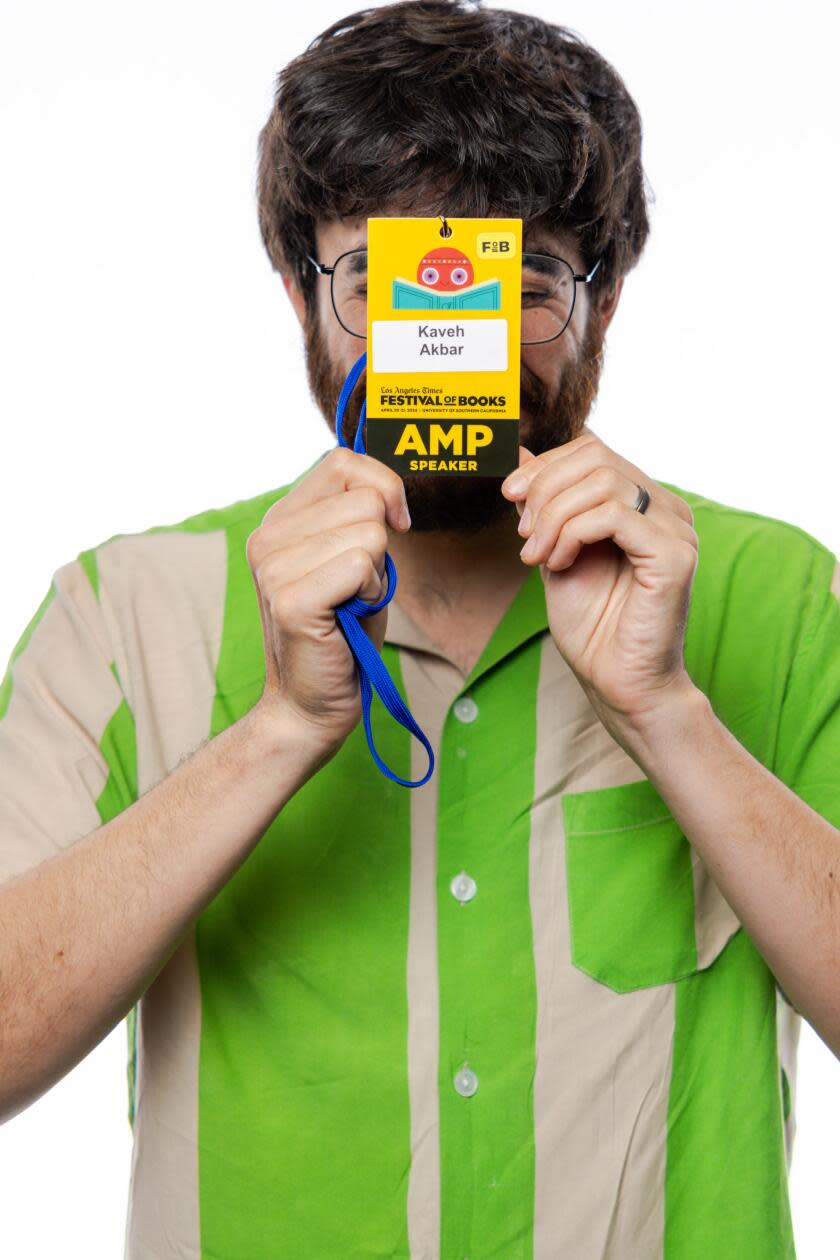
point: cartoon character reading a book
(445, 283)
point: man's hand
(617, 581)
(321, 544)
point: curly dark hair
(463, 111)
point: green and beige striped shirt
(504, 1016)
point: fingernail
(530, 548)
(525, 520)
(516, 485)
(405, 517)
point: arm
(86, 932)
(618, 586)
(774, 858)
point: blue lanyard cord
(372, 672)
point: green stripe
(304, 1119)
(726, 1180)
(118, 746)
(6, 685)
(785, 1095)
(131, 1066)
(89, 562)
(485, 949)
(628, 866)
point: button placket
(463, 886)
(463, 939)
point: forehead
(334, 236)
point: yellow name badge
(443, 320)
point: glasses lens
(548, 292)
(349, 283)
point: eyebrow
(536, 263)
(540, 245)
(358, 262)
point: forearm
(85, 933)
(776, 861)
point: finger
(585, 448)
(287, 565)
(557, 474)
(344, 469)
(362, 503)
(517, 483)
(646, 545)
(600, 486)
(310, 599)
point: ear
(608, 302)
(295, 297)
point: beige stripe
(163, 596)
(603, 1058)
(162, 1219)
(431, 684)
(63, 696)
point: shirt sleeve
(67, 748)
(808, 748)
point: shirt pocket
(643, 909)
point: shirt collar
(525, 616)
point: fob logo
(496, 245)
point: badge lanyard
(373, 676)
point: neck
(445, 571)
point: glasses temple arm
(320, 268)
(592, 272)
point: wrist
(683, 715)
(280, 733)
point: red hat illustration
(445, 269)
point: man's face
(559, 382)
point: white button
(463, 887)
(465, 709)
(466, 1082)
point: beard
(550, 417)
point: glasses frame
(324, 270)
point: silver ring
(642, 500)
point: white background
(151, 365)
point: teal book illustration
(409, 296)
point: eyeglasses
(549, 286)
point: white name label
(437, 345)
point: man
(547, 1004)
